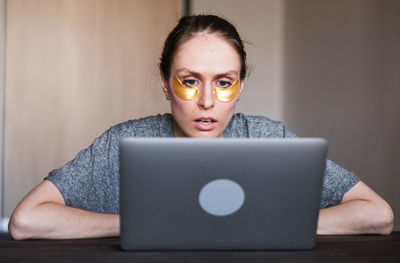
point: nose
(206, 97)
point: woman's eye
(224, 84)
(189, 82)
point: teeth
(206, 121)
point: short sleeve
(90, 181)
(337, 181)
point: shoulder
(159, 125)
(243, 125)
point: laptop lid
(186, 193)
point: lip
(205, 118)
(205, 127)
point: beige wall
(2, 51)
(73, 69)
(328, 69)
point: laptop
(220, 194)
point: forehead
(207, 54)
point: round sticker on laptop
(221, 197)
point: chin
(207, 135)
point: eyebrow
(198, 75)
(229, 73)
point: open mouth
(205, 121)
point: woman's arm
(43, 214)
(362, 211)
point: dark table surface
(362, 248)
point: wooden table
(363, 248)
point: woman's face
(205, 61)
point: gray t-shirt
(91, 180)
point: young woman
(202, 67)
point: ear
(241, 87)
(164, 84)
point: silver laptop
(239, 194)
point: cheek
(180, 108)
(226, 109)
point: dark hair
(188, 26)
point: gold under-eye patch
(182, 91)
(227, 94)
(191, 92)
